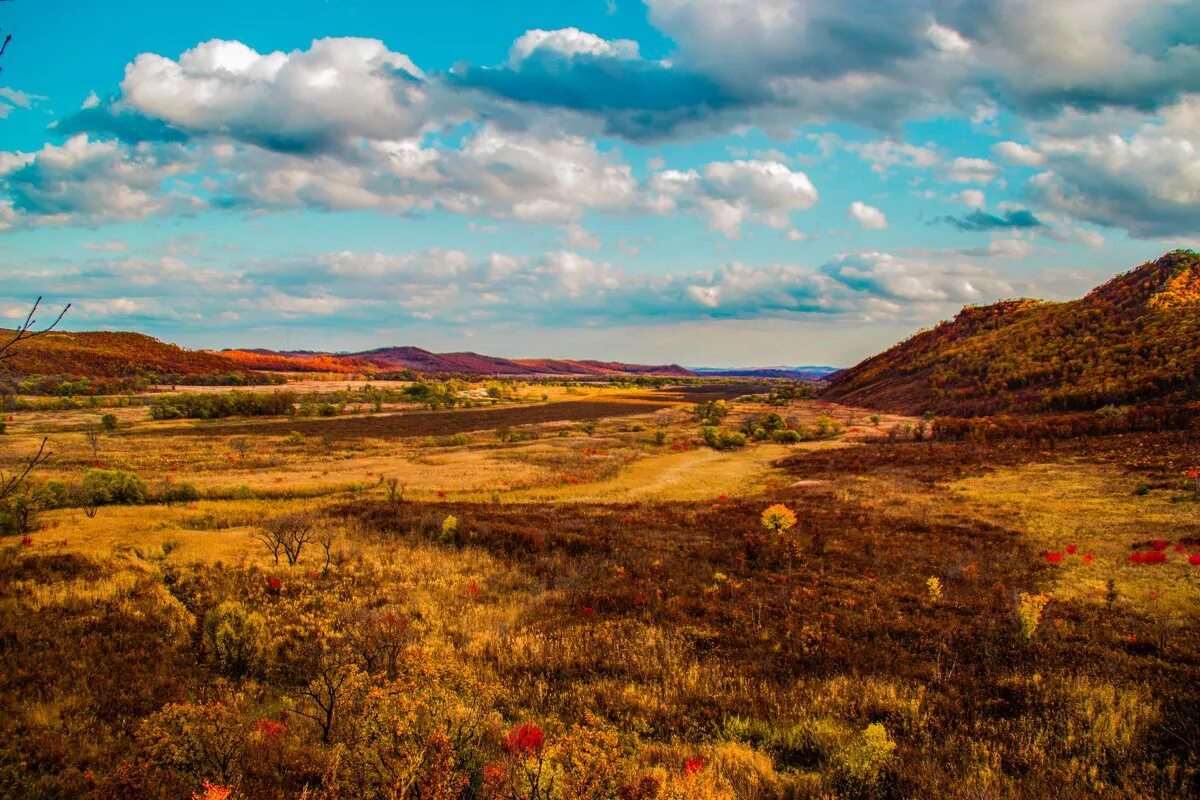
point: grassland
(583, 566)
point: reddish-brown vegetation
(103, 354)
(1135, 341)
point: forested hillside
(1133, 341)
(104, 354)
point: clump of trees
(198, 405)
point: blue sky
(699, 181)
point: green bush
(863, 765)
(719, 439)
(196, 405)
(787, 437)
(178, 493)
(457, 440)
(105, 487)
(236, 639)
(108, 422)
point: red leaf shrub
(525, 739)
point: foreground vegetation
(585, 598)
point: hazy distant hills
(1133, 340)
(101, 354)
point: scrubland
(578, 598)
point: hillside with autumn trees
(1131, 343)
(108, 354)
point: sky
(705, 182)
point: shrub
(933, 590)
(105, 487)
(778, 518)
(719, 439)
(449, 529)
(787, 437)
(1029, 612)
(108, 422)
(196, 405)
(862, 766)
(236, 639)
(457, 440)
(178, 493)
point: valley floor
(573, 597)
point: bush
(787, 437)
(457, 440)
(105, 487)
(719, 439)
(862, 766)
(236, 639)
(196, 405)
(108, 422)
(178, 493)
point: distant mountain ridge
(1133, 340)
(464, 363)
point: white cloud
(947, 40)
(306, 100)
(971, 170)
(1146, 182)
(92, 181)
(867, 217)
(570, 42)
(111, 246)
(577, 237)
(730, 193)
(971, 198)
(1018, 154)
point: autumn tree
(287, 534)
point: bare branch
(26, 330)
(7, 487)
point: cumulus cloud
(867, 217)
(91, 181)
(606, 84)
(730, 193)
(310, 100)
(1018, 154)
(971, 198)
(1146, 182)
(568, 43)
(971, 170)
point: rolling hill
(105, 354)
(418, 360)
(1133, 341)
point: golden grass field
(606, 585)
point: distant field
(429, 423)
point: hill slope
(104, 354)
(419, 360)
(1134, 340)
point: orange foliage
(1133, 341)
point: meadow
(598, 591)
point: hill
(417, 359)
(1133, 341)
(105, 354)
